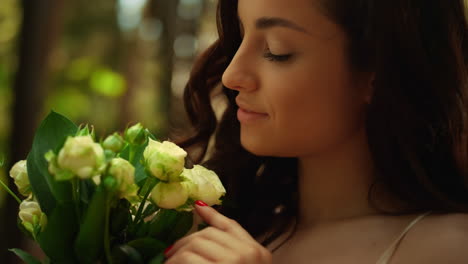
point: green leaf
(125, 152)
(87, 188)
(148, 185)
(141, 229)
(120, 216)
(126, 254)
(140, 173)
(149, 210)
(159, 259)
(59, 234)
(170, 225)
(83, 131)
(90, 241)
(182, 226)
(50, 135)
(40, 186)
(148, 247)
(152, 136)
(163, 223)
(55, 198)
(25, 256)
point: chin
(272, 148)
(261, 148)
(256, 147)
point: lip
(245, 107)
(245, 116)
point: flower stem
(106, 231)
(76, 192)
(150, 182)
(10, 191)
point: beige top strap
(392, 248)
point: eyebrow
(270, 22)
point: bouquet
(123, 199)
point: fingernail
(200, 203)
(167, 249)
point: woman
(345, 137)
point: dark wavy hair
(417, 122)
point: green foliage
(87, 82)
(51, 135)
(26, 257)
(55, 197)
(126, 254)
(59, 234)
(79, 211)
(148, 247)
(136, 153)
(89, 242)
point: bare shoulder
(438, 238)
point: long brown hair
(417, 122)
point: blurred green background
(109, 63)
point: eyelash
(276, 58)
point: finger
(188, 257)
(215, 219)
(206, 248)
(240, 250)
(224, 239)
(226, 248)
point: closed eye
(276, 58)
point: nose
(239, 75)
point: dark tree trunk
(131, 68)
(166, 11)
(39, 32)
(178, 120)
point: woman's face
(308, 98)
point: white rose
(124, 173)
(169, 195)
(164, 160)
(203, 184)
(31, 215)
(82, 156)
(19, 174)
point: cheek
(312, 113)
(315, 124)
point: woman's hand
(224, 241)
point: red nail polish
(167, 249)
(200, 203)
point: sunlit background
(109, 63)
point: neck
(334, 186)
